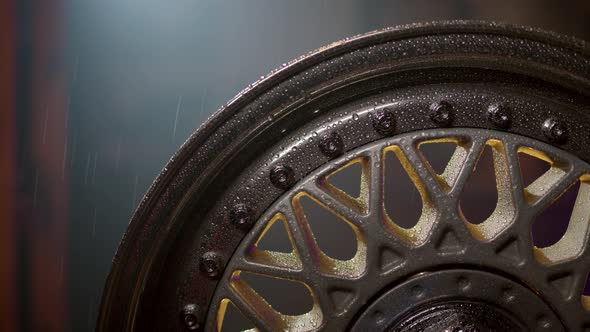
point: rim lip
(200, 136)
(259, 87)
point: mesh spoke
(383, 246)
(427, 188)
(461, 167)
(339, 207)
(257, 311)
(284, 265)
(515, 178)
(303, 239)
(416, 167)
(576, 236)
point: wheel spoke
(288, 266)
(463, 167)
(515, 180)
(420, 175)
(384, 248)
(304, 241)
(552, 185)
(257, 311)
(375, 180)
(344, 211)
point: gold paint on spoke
(222, 313)
(309, 265)
(573, 242)
(360, 203)
(273, 258)
(451, 172)
(504, 212)
(418, 234)
(274, 319)
(534, 191)
(352, 268)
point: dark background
(97, 95)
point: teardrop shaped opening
(402, 200)
(334, 236)
(531, 166)
(347, 179)
(480, 195)
(230, 319)
(438, 153)
(551, 224)
(275, 237)
(287, 297)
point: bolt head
(441, 113)
(189, 318)
(383, 122)
(241, 215)
(331, 144)
(555, 131)
(282, 177)
(211, 264)
(500, 116)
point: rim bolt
(543, 322)
(331, 144)
(441, 113)
(189, 316)
(211, 264)
(241, 215)
(282, 177)
(500, 116)
(555, 131)
(384, 122)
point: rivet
(418, 291)
(282, 177)
(500, 116)
(211, 264)
(463, 283)
(378, 317)
(189, 316)
(555, 131)
(543, 322)
(331, 144)
(241, 215)
(441, 113)
(383, 122)
(507, 295)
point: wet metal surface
(129, 81)
(279, 120)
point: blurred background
(97, 95)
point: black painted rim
(132, 267)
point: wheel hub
(457, 301)
(458, 317)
